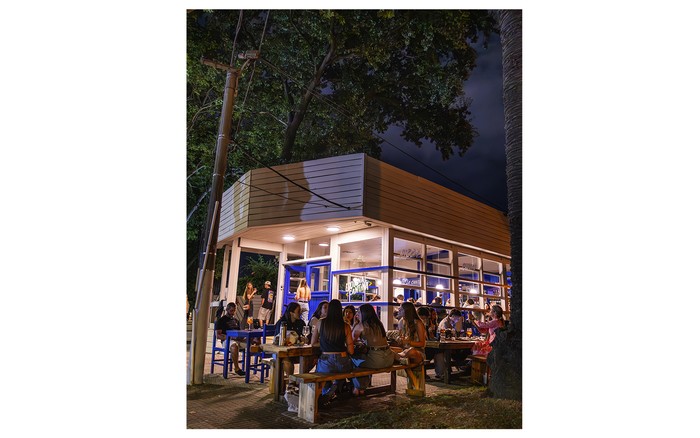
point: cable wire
(293, 182)
(346, 113)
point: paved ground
(232, 404)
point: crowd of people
(350, 337)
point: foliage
(327, 83)
(257, 270)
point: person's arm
(421, 336)
(315, 334)
(356, 332)
(348, 340)
(488, 324)
(296, 294)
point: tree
(258, 270)
(505, 360)
(329, 81)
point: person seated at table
(371, 332)
(430, 326)
(349, 315)
(335, 338)
(496, 322)
(229, 322)
(455, 323)
(411, 336)
(292, 320)
(320, 313)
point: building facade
(360, 230)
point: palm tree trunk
(505, 360)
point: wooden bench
(311, 385)
(479, 368)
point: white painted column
(225, 272)
(233, 277)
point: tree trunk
(298, 116)
(505, 360)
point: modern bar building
(360, 230)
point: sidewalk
(232, 404)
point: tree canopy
(328, 82)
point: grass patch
(462, 408)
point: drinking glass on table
(469, 332)
(250, 322)
(305, 331)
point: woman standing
(335, 338)
(303, 296)
(248, 301)
(371, 331)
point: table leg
(227, 352)
(278, 377)
(448, 365)
(247, 359)
(305, 363)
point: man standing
(229, 322)
(268, 300)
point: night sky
(481, 171)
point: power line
(288, 198)
(293, 182)
(352, 118)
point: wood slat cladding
(403, 199)
(387, 196)
(338, 179)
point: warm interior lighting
(379, 282)
(472, 291)
(322, 244)
(439, 286)
(288, 238)
(333, 229)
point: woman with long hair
(412, 335)
(335, 338)
(320, 313)
(496, 322)
(303, 296)
(292, 321)
(248, 300)
(371, 331)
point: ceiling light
(439, 286)
(333, 229)
(472, 291)
(396, 281)
(322, 244)
(288, 238)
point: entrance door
(318, 277)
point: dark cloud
(481, 171)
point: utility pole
(205, 274)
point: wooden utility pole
(205, 274)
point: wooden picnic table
(305, 353)
(446, 348)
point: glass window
(295, 251)
(408, 255)
(435, 254)
(438, 283)
(407, 279)
(439, 269)
(361, 254)
(319, 247)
